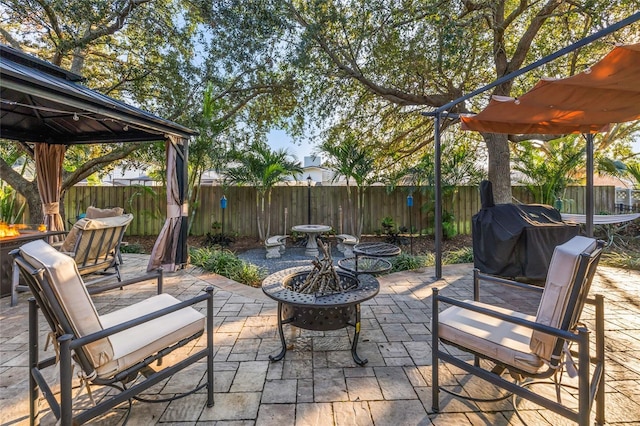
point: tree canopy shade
(44, 104)
(588, 102)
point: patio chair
(530, 347)
(94, 243)
(117, 349)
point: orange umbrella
(608, 92)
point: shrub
(135, 248)
(226, 263)
(462, 255)
(406, 262)
(621, 259)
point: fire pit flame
(10, 230)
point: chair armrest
(156, 274)
(89, 338)
(479, 277)
(504, 317)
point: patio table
(312, 231)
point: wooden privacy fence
(289, 207)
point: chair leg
(210, 347)
(584, 399)
(33, 360)
(600, 418)
(15, 279)
(66, 414)
(435, 386)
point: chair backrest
(54, 280)
(94, 240)
(571, 271)
(98, 213)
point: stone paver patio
(318, 382)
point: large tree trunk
(499, 166)
(36, 215)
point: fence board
(328, 203)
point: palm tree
(354, 162)
(549, 167)
(262, 168)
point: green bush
(463, 255)
(132, 248)
(226, 263)
(407, 262)
(621, 259)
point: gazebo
(46, 105)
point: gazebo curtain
(170, 249)
(49, 159)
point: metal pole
(410, 205)
(438, 195)
(223, 206)
(309, 200)
(589, 196)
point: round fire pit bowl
(317, 311)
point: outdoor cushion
(134, 344)
(97, 213)
(89, 224)
(71, 293)
(121, 350)
(560, 280)
(498, 339)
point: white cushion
(555, 297)
(500, 340)
(121, 350)
(71, 293)
(133, 345)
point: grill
(517, 241)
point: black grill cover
(518, 240)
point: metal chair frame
(70, 349)
(590, 387)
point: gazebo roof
(40, 102)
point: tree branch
(96, 164)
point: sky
(280, 139)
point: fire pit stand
(319, 311)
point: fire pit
(332, 304)
(11, 238)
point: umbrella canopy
(608, 92)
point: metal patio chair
(94, 243)
(117, 349)
(514, 351)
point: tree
(356, 163)
(262, 168)
(122, 50)
(460, 166)
(375, 65)
(549, 167)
